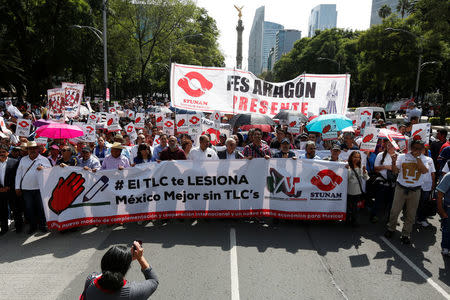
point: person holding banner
(356, 175)
(162, 145)
(27, 186)
(143, 155)
(173, 152)
(257, 148)
(285, 152)
(410, 167)
(203, 152)
(230, 152)
(310, 151)
(335, 152)
(88, 161)
(115, 160)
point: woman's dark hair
(141, 147)
(350, 160)
(115, 264)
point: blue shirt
(444, 187)
(156, 150)
(290, 154)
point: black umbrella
(285, 113)
(250, 119)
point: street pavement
(235, 259)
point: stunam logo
(278, 183)
(326, 181)
(187, 84)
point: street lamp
(333, 61)
(419, 63)
(102, 36)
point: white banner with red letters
(233, 91)
(291, 189)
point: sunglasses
(64, 150)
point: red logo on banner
(180, 123)
(366, 112)
(292, 124)
(138, 119)
(90, 129)
(363, 125)
(23, 124)
(110, 121)
(368, 138)
(417, 131)
(326, 128)
(322, 112)
(217, 116)
(393, 128)
(204, 83)
(215, 134)
(159, 119)
(130, 128)
(168, 124)
(335, 180)
(194, 120)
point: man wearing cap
(285, 152)
(27, 186)
(87, 161)
(115, 160)
(8, 169)
(335, 152)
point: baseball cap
(86, 149)
(285, 141)
(336, 147)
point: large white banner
(73, 95)
(56, 98)
(233, 91)
(291, 189)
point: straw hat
(117, 146)
(32, 144)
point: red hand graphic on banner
(65, 192)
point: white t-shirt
(387, 162)
(445, 169)
(197, 154)
(427, 179)
(409, 174)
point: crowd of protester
(377, 179)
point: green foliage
(447, 121)
(435, 121)
(384, 11)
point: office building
(284, 41)
(262, 39)
(271, 59)
(376, 5)
(323, 16)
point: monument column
(239, 30)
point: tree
(384, 11)
(404, 6)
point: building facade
(285, 40)
(323, 16)
(255, 42)
(376, 5)
(269, 40)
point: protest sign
(131, 131)
(88, 104)
(365, 118)
(89, 133)
(130, 114)
(159, 119)
(181, 120)
(156, 141)
(72, 100)
(3, 126)
(41, 140)
(194, 124)
(280, 188)
(112, 122)
(393, 127)
(215, 117)
(23, 127)
(56, 98)
(139, 121)
(421, 132)
(232, 91)
(8, 103)
(169, 127)
(112, 110)
(329, 130)
(323, 111)
(294, 124)
(369, 140)
(92, 118)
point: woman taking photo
(143, 154)
(356, 175)
(111, 283)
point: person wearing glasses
(67, 157)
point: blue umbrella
(317, 123)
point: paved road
(290, 260)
